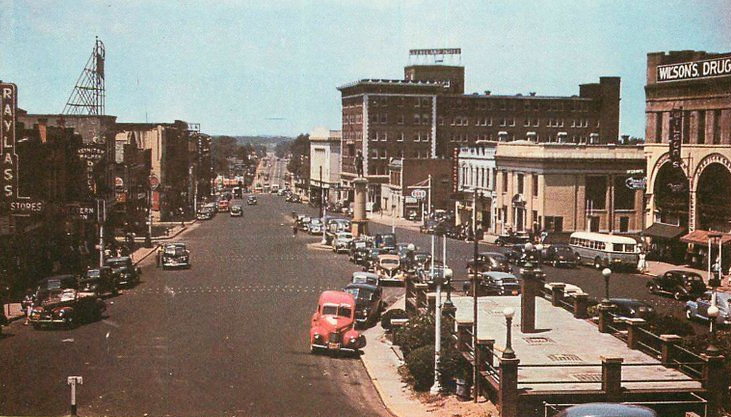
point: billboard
(710, 68)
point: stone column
(530, 287)
(605, 318)
(359, 225)
(508, 392)
(669, 341)
(633, 332)
(580, 305)
(612, 377)
(557, 294)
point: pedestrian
(642, 263)
(27, 305)
(294, 229)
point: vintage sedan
(364, 278)
(698, 308)
(175, 255)
(388, 269)
(606, 410)
(489, 261)
(251, 200)
(124, 270)
(342, 241)
(512, 238)
(332, 327)
(679, 284)
(358, 250)
(631, 308)
(62, 305)
(236, 211)
(99, 282)
(569, 290)
(421, 259)
(368, 302)
(559, 255)
(204, 214)
(495, 283)
(315, 226)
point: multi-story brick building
(691, 194)
(427, 116)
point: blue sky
(272, 67)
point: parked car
(494, 283)
(631, 308)
(358, 250)
(175, 255)
(425, 275)
(389, 269)
(222, 205)
(405, 251)
(236, 211)
(606, 410)
(512, 238)
(368, 302)
(58, 301)
(679, 284)
(364, 278)
(698, 308)
(489, 261)
(332, 327)
(412, 215)
(315, 226)
(513, 253)
(204, 214)
(559, 255)
(333, 226)
(342, 241)
(293, 198)
(303, 222)
(251, 200)
(569, 289)
(99, 281)
(124, 270)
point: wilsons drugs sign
(710, 68)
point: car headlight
(632, 311)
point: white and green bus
(601, 250)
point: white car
(315, 227)
(569, 290)
(341, 241)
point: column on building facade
(693, 126)
(528, 194)
(509, 201)
(541, 201)
(725, 127)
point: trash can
(463, 389)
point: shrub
(396, 313)
(670, 325)
(453, 365)
(420, 363)
(420, 332)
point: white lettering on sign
(9, 105)
(718, 67)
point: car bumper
(175, 263)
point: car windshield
(333, 310)
(360, 293)
(360, 244)
(174, 250)
(563, 250)
(117, 264)
(389, 262)
(92, 273)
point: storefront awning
(701, 237)
(664, 231)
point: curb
(377, 385)
(152, 250)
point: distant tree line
(223, 147)
(299, 152)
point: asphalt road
(226, 337)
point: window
(384, 136)
(505, 181)
(596, 192)
(624, 198)
(512, 121)
(400, 119)
(701, 126)
(417, 119)
(534, 181)
(623, 224)
(520, 183)
(555, 224)
(400, 137)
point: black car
(204, 215)
(371, 260)
(175, 255)
(385, 241)
(124, 271)
(57, 282)
(631, 308)
(251, 200)
(494, 283)
(421, 259)
(680, 284)
(559, 255)
(512, 238)
(358, 250)
(368, 302)
(99, 281)
(293, 198)
(489, 261)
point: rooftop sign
(710, 68)
(442, 51)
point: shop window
(505, 181)
(623, 224)
(596, 192)
(554, 224)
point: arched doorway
(671, 196)
(713, 198)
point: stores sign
(718, 67)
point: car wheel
(555, 264)
(597, 263)
(70, 322)
(677, 295)
(651, 289)
(688, 314)
(314, 350)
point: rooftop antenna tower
(89, 95)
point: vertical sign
(8, 108)
(455, 169)
(676, 137)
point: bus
(605, 251)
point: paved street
(227, 337)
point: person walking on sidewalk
(642, 263)
(27, 305)
(159, 255)
(294, 229)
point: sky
(273, 67)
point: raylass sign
(710, 68)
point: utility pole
(101, 215)
(476, 352)
(437, 319)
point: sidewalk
(382, 360)
(13, 311)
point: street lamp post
(508, 353)
(393, 216)
(476, 355)
(437, 278)
(606, 273)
